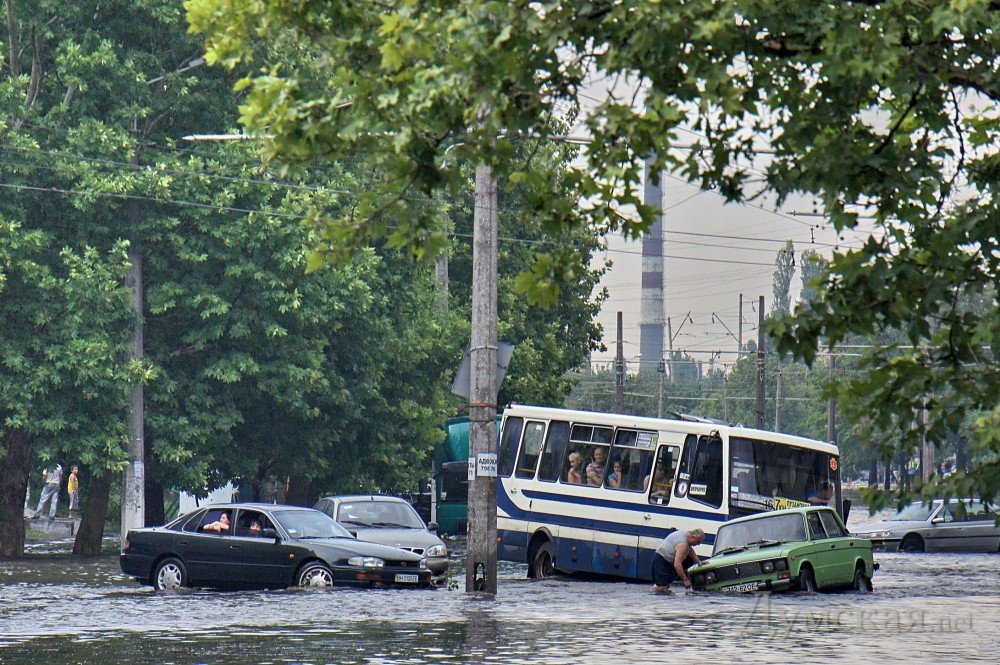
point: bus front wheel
(543, 563)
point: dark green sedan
(244, 545)
(799, 548)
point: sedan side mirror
(432, 526)
(270, 533)
(937, 520)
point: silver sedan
(960, 525)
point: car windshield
(379, 514)
(310, 524)
(776, 528)
(915, 512)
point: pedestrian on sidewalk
(52, 479)
(73, 489)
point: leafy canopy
(877, 109)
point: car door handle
(234, 547)
(183, 543)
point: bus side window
(531, 448)
(509, 438)
(555, 451)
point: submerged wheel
(170, 574)
(912, 543)
(807, 581)
(543, 565)
(315, 574)
(862, 583)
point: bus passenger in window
(821, 497)
(595, 470)
(574, 475)
(615, 477)
(661, 483)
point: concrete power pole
(133, 490)
(831, 407)
(481, 566)
(777, 400)
(761, 365)
(620, 370)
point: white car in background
(958, 525)
(389, 520)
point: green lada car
(798, 548)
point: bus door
(658, 518)
(700, 487)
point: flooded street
(926, 608)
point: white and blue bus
(579, 491)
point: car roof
(785, 511)
(364, 497)
(272, 507)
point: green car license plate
(742, 588)
(410, 579)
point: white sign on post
(487, 465)
(472, 468)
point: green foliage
(883, 110)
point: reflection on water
(59, 608)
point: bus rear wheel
(543, 563)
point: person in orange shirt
(73, 487)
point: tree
(874, 109)
(784, 271)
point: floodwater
(55, 608)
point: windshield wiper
(730, 550)
(764, 543)
(358, 522)
(391, 524)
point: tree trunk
(14, 468)
(299, 492)
(873, 466)
(95, 513)
(156, 513)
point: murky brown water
(55, 608)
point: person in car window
(219, 526)
(821, 497)
(256, 529)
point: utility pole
(725, 395)
(831, 407)
(133, 490)
(481, 566)
(659, 402)
(670, 349)
(777, 400)
(761, 365)
(620, 370)
(739, 340)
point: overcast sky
(713, 253)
